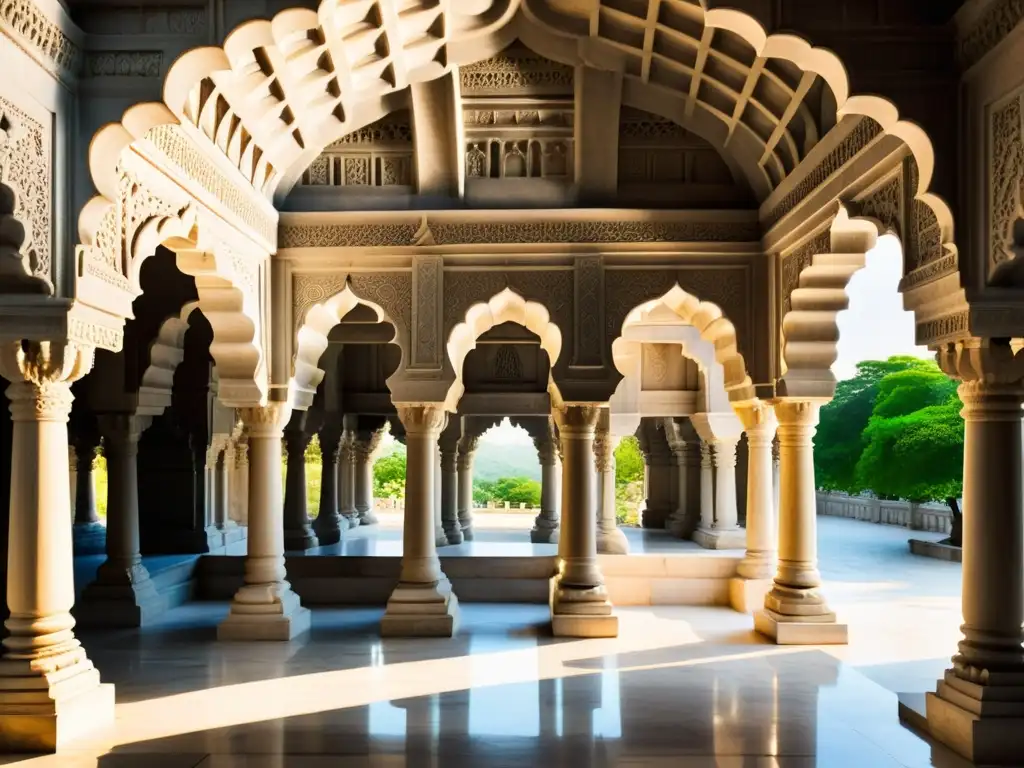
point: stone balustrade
(917, 517)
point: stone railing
(917, 517)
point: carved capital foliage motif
(577, 419)
(1006, 174)
(39, 36)
(266, 420)
(991, 376)
(427, 282)
(551, 288)
(25, 234)
(466, 451)
(426, 419)
(41, 373)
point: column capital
(266, 420)
(577, 419)
(759, 421)
(982, 361)
(466, 451)
(123, 428)
(422, 418)
(705, 454)
(793, 413)
(41, 373)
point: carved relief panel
(665, 369)
(378, 155)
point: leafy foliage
(515, 490)
(629, 462)
(389, 476)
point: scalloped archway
(311, 342)
(507, 306)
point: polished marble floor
(682, 687)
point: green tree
(629, 462)
(914, 442)
(838, 442)
(389, 476)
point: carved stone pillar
(298, 531)
(423, 604)
(610, 538)
(464, 463)
(795, 611)
(449, 494)
(240, 482)
(50, 692)
(122, 595)
(747, 592)
(347, 479)
(329, 523)
(545, 526)
(721, 431)
(658, 471)
(364, 446)
(978, 707)
(707, 488)
(775, 483)
(579, 600)
(89, 535)
(265, 608)
(684, 520)
(440, 539)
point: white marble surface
(679, 687)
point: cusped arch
(311, 340)
(506, 306)
(166, 352)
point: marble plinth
(711, 538)
(283, 619)
(803, 630)
(747, 595)
(42, 720)
(421, 610)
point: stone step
(695, 578)
(175, 581)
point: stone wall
(917, 517)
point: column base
(654, 518)
(122, 599)
(801, 630)
(368, 518)
(421, 610)
(612, 542)
(680, 525)
(467, 533)
(300, 540)
(581, 612)
(329, 531)
(713, 538)
(545, 529)
(971, 720)
(747, 595)
(440, 539)
(453, 536)
(46, 712)
(265, 612)
(352, 520)
(89, 538)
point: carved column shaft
(364, 447)
(610, 539)
(464, 459)
(707, 486)
(449, 495)
(329, 524)
(546, 524)
(298, 531)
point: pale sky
(876, 326)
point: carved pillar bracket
(579, 600)
(423, 603)
(50, 691)
(265, 607)
(978, 707)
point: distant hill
(494, 461)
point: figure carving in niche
(507, 365)
(476, 162)
(515, 163)
(554, 160)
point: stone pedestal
(610, 538)
(795, 611)
(747, 592)
(423, 604)
(122, 595)
(265, 608)
(464, 464)
(364, 446)
(50, 692)
(546, 524)
(578, 598)
(978, 706)
(298, 531)
(329, 523)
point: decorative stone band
(997, 21)
(43, 38)
(50, 401)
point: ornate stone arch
(311, 341)
(165, 355)
(506, 306)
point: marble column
(347, 479)
(775, 483)
(50, 692)
(707, 487)
(579, 599)
(681, 522)
(298, 530)
(240, 482)
(721, 431)
(546, 525)
(423, 604)
(464, 463)
(450, 494)
(265, 607)
(658, 465)
(329, 523)
(364, 446)
(748, 590)
(610, 538)
(440, 539)
(978, 706)
(89, 534)
(795, 611)
(122, 594)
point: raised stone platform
(936, 550)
